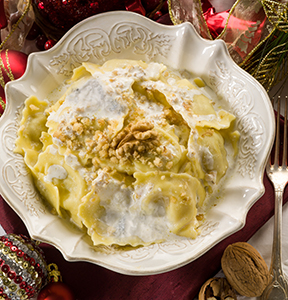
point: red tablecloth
(91, 282)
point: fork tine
(284, 158)
(277, 141)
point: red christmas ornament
(49, 44)
(41, 41)
(23, 268)
(12, 66)
(3, 19)
(55, 291)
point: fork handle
(277, 289)
(276, 260)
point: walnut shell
(245, 269)
(217, 288)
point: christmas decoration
(23, 269)
(12, 66)
(16, 19)
(49, 44)
(55, 289)
(156, 9)
(242, 27)
(3, 19)
(151, 5)
(34, 32)
(269, 62)
(254, 31)
(56, 17)
(135, 6)
(24, 272)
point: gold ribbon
(3, 68)
(277, 14)
(8, 72)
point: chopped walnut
(138, 141)
(86, 122)
(157, 162)
(78, 128)
(58, 135)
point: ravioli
(130, 152)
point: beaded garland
(23, 269)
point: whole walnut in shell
(245, 269)
(217, 288)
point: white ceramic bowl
(129, 35)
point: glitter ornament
(12, 66)
(23, 269)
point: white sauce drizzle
(55, 171)
(123, 212)
(90, 100)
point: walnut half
(217, 289)
(135, 139)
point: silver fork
(277, 289)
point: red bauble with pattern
(12, 66)
(23, 267)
